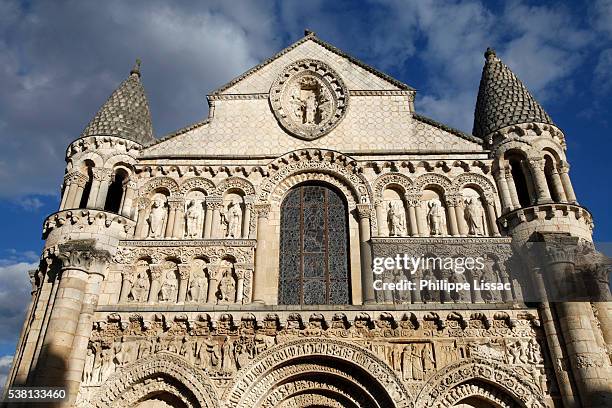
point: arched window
(114, 196)
(520, 179)
(87, 189)
(314, 247)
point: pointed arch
(161, 372)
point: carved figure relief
(435, 217)
(232, 219)
(140, 288)
(474, 217)
(169, 288)
(227, 287)
(198, 286)
(308, 99)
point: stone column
(95, 187)
(557, 185)
(156, 276)
(246, 219)
(208, 219)
(171, 219)
(504, 191)
(105, 176)
(76, 183)
(512, 188)
(380, 217)
(215, 203)
(128, 201)
(63, 349)
(460, 212)
(240, 274)
(530, 181)
(541, 186)
(178, 224)
(421, 221)
(184, 270)
(567, 184)
(451, 210)
(213, 283)
(141, 223)
(589, 363)
(412, 200)
(491, 217)
(262, 252)
(364, 212)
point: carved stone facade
(235, 269)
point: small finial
(490, 53)
(308, 32)
(136, 68)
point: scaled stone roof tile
(125, 114)
(503, 100)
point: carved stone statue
(156, 219)
(416, 362)
(473, 217)
(227, 287)
(429, 363)
(534, 355)
(140, 289)
(489, 275)
(232, 219)
(108, 367)
(395, 222)
(198, 287)
(435, 217)
(193, 219)
(228, 364)
(169, 287)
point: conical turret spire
(503, 100)
(125, 114)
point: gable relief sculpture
(308, 99)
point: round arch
(439, 180)
(169, 373)
(197, 183)
(235, 183)
(391, 179)
(302, 359)
(444, 384)
(159, 182)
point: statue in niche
(140, 289)
(395, 221)
(156, 219)
(169, 287)
(90, 358)
(193, 219)
(435, 217)
(473, 217)
(227, 287)
(231, 219)
(460, 296)
(198, 286)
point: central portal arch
(322, 372)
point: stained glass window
(313, 247)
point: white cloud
(5, 366)
(14, 298)
(603, 71)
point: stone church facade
(229, 264)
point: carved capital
(156, 271)
(143, 203)
(262, 210)
(82, 255)
(75, 177)
(364, 211)
(453, 200)
(175, 204)
(564, 167)
(102, 174)
(413, 199)
(537, 163)
(184, 271)
(214, 202)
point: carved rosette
(309, 99)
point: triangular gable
(356, 74)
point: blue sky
(59, 61)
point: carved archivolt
(126, 385)
(395, 179)
(444, 383)
(480, 391)
(483, 183)
(96, 158)
(197, 183)
(161, 182)
(320, 162)
(291, 181)
(237, 183)
(436, 179)
(363, 360)
(113, 160)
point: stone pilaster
(364, 212)
(262, 252)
